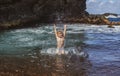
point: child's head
(60, 34)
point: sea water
(99, 45)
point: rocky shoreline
(32, 21)
(20, 23)
(27, 13)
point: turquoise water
(21, 41)
(101, 43)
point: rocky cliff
(24, 12)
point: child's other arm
(64, 30)
(55, 30)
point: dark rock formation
(32, 11)
(92, 19)
(107, 14)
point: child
(60, 37)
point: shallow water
(37, 46)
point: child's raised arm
(64, 30)
(55, 30)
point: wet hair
(60, 32)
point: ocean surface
(34, 49)
(114, 19)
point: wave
(102, 29)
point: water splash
(70, 52)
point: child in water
(60, 37)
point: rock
(73, 58)
(111, 26)
(34, 11)
(26, 13)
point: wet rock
(111, 26)
(73, 58)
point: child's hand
(65, 26)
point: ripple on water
(102, 45)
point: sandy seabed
(44, 65)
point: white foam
(102, 29)
(68, 51)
